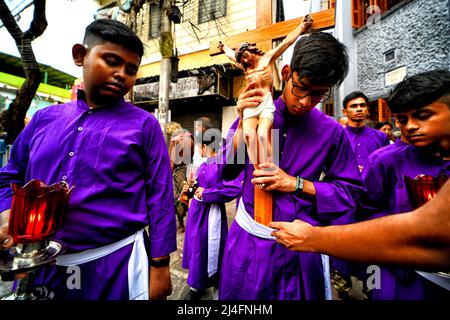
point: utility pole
(166, 49)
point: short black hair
(354, 95)
(420, 90)
(380, 125)
(211, 138)
(320, 57)
(205, 122)
(113, 31)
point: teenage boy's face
(356, 109)
(427, 126)
(109, 72)
(299, 95)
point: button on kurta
(80, 129)
(71, 154)
(64, 178)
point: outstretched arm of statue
(302, 28)
(229, 53)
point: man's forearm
(396, 239)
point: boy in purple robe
(421, 104)
(364, 140)
(206, 225)
(254, 266)
(115, 155)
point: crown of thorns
(247, 47)
(241, 51)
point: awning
(46, 89)
(187, 62)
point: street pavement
(179, 275)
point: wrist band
(299, 185)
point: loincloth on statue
(265, 109)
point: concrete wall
(419, 31)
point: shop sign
(184, 88)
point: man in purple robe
(421, 104)
(310, 143)
(364, 140)
(115, 156)
(206, 225)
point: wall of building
(240, 17)
(419, 33)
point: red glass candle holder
(37, 210)
(422, 188)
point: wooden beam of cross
(321, 20)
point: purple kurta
(387, 194)
(364, 141)
(259, 269)
(352, 268)
(195, 252)
(116, 158)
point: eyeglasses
(302, 91)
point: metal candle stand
(37, 211)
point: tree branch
(39, 23)
(9, 22)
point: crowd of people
(338, 188)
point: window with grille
(363, 9)
(154, 21)
(211, 9)
(389, 55)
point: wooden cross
(263, 36)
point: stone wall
(418, 30)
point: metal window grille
(154, 21)
(211, 10)
(361, 12)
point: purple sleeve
(14, 171)
(375, 202)
(232, 162)
(385, 141)
(338, 194)
(159, 193)
(226, 192)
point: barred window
(363, 9)
(154, 21)
(211, 10)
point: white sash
(327, 276)
(439, 279)
(138, 271)
(247, 223)
(214, 233)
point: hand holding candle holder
(423, 188)
(191, 174)
(37, 211)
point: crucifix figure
(258, 67)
